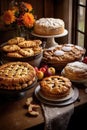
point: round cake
(16, 75)
(49, 26)
(55, 86)
(76, 71)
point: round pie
(16, 75)
(55, 86)
(76, 71)
(60, 55)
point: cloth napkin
(57, 118)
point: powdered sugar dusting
(69, 45)
(78, 65)
(66, 48)
(79, 47)
(58, 53)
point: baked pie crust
(55, 86)
(76, 71)
(16, 75)
(63, 54)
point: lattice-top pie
(63, 54)
(55, 86)
(16, 75)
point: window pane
(81, 19)
(80, 40)
(83, 2)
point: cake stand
(51, 39)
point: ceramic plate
(57, 103)
(55, 100)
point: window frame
(74, 38)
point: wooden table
(13, 113)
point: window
(79, 20)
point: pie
(16, 75)
(49, 26)
(55, 86)
(75, 71)
(60, 55)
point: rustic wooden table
(13, 113)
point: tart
(16, 75)
(55, 86)
(15, 40)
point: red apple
(48, 73)
(43, 69)
(45, 66)
(85, 60)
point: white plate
(64, 103)
(60, 35)
(55, 100)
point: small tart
(16, 75)
(29, 43)
(15, 40)
(10, 48)
(55, 86)
(14, 54)
(26, 52)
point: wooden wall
(43, 8)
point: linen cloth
(57, 118)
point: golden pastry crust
(10, 48)
(14, 54)
(29, 43)
(15, 40)
(37, 50)
(75, 71)
(26, 52)
(16, 75)
(63, 54)
(55, 86)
